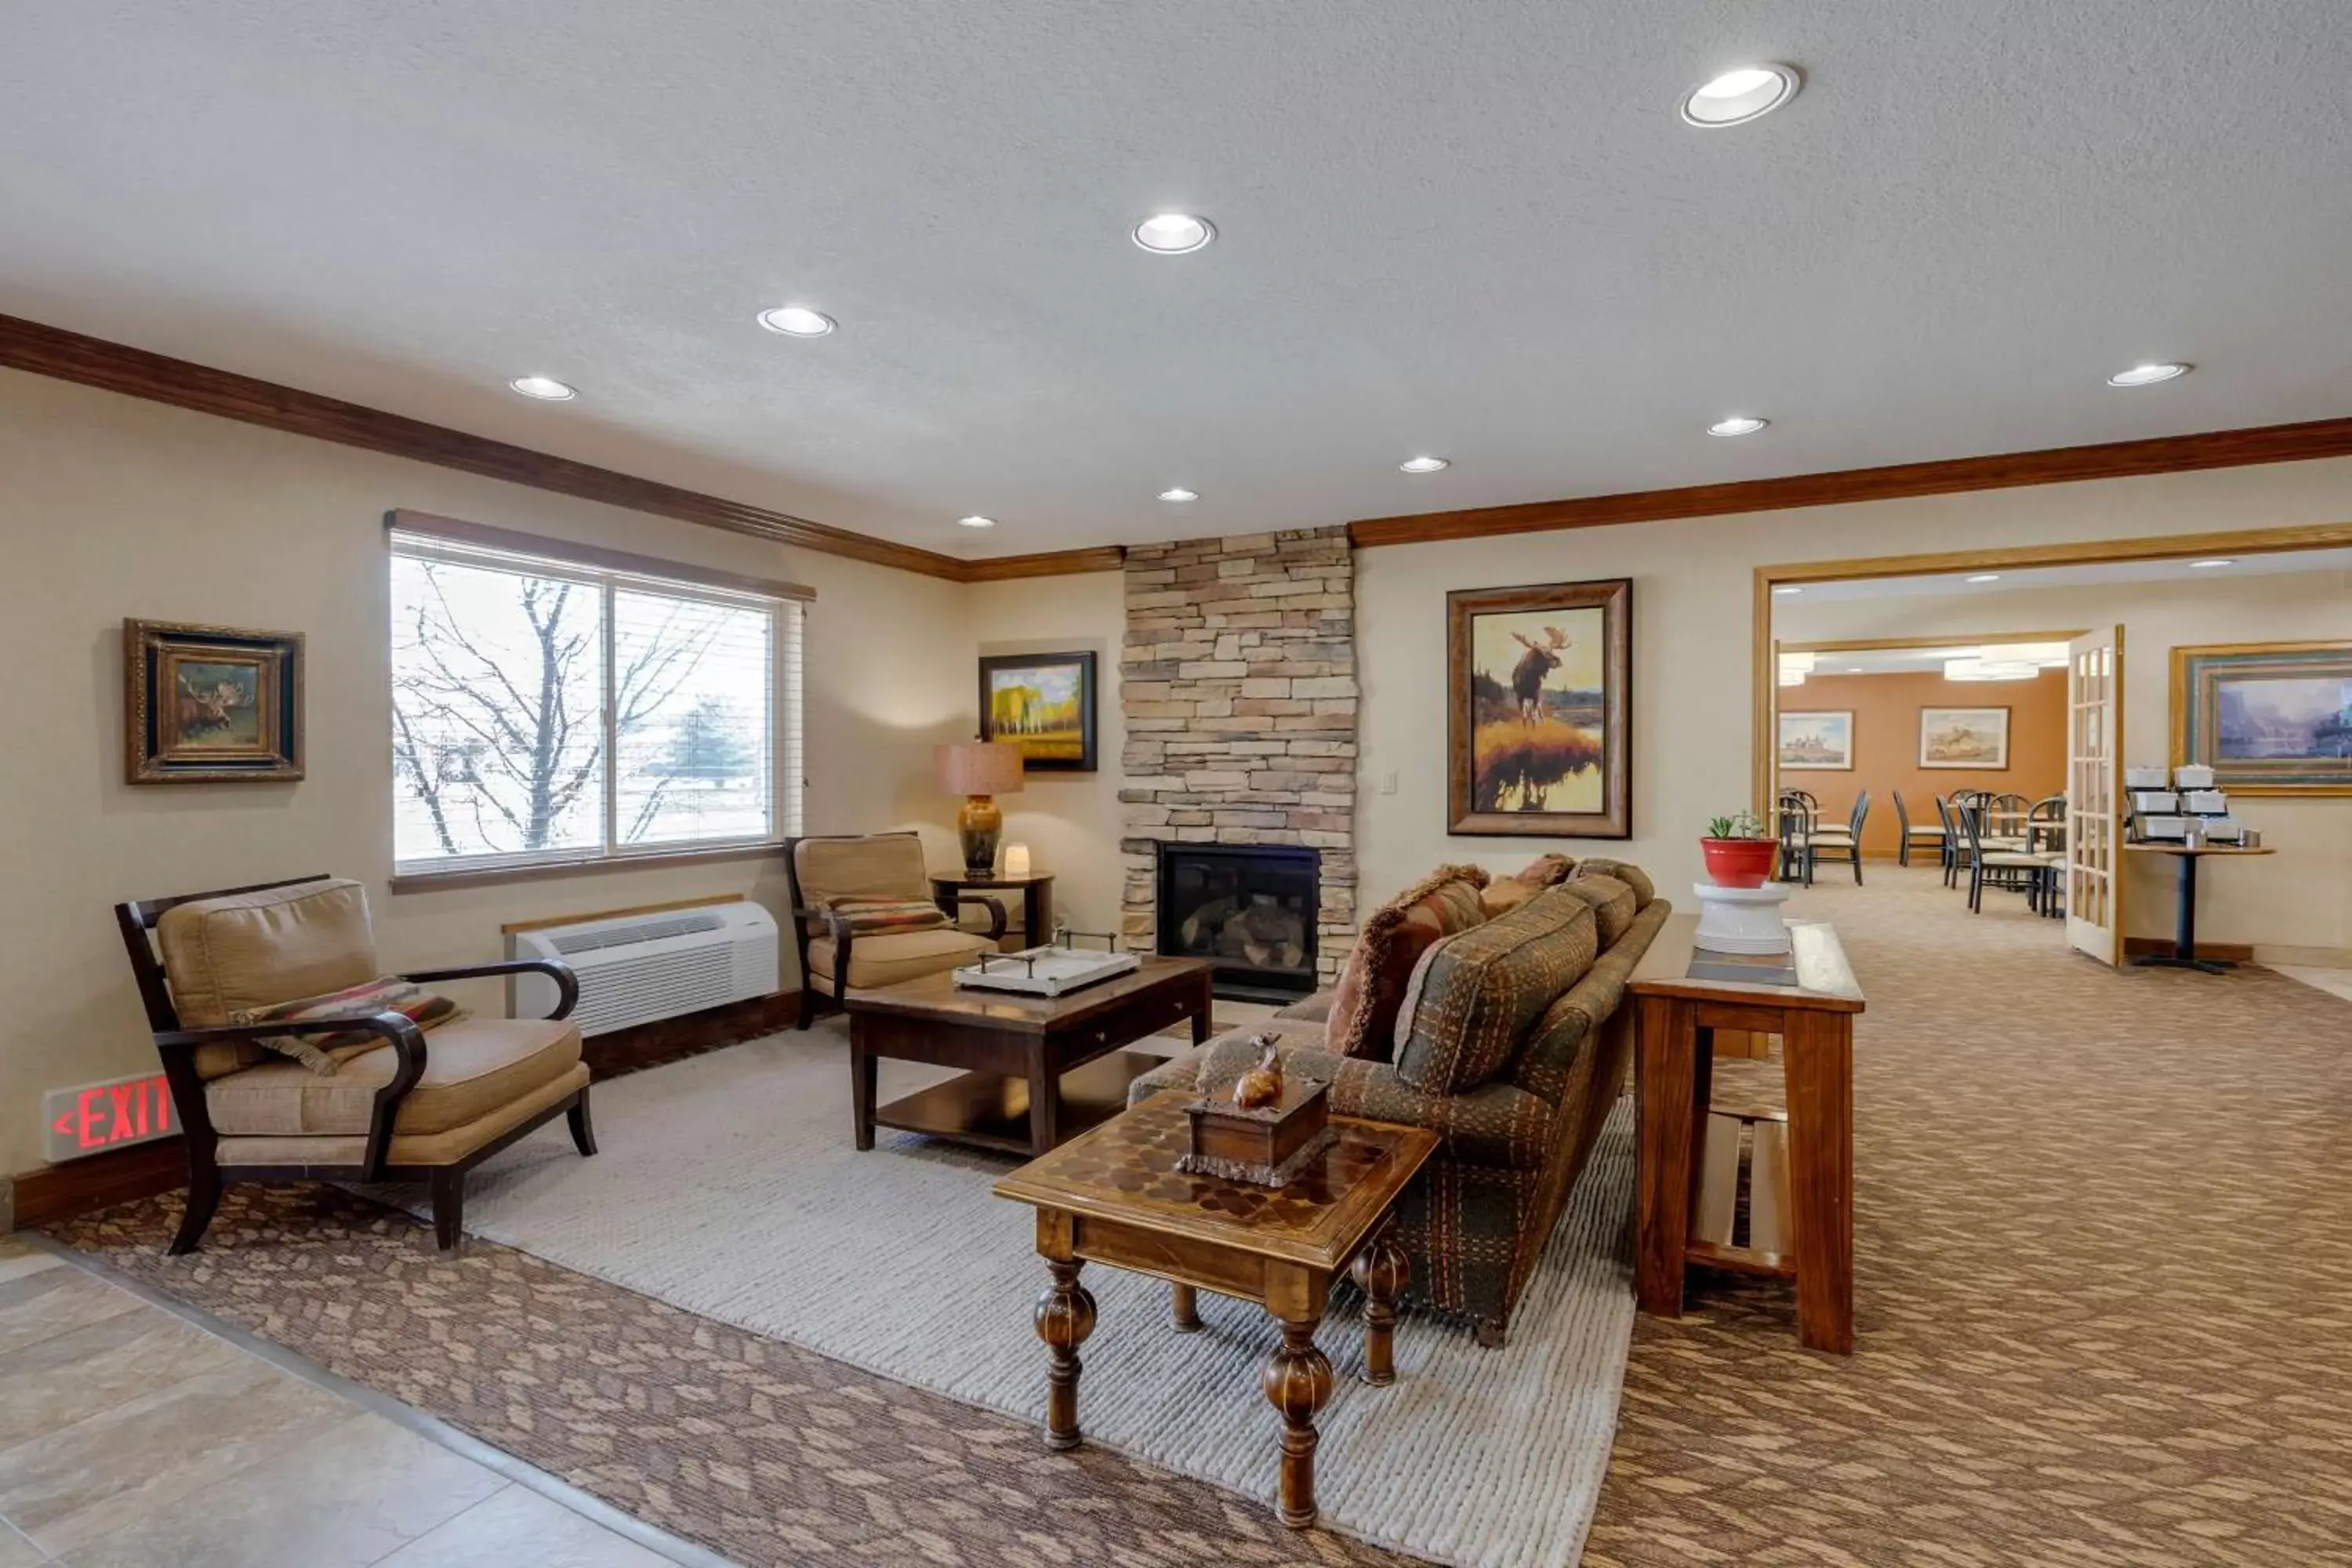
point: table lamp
(980, 771)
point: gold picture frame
(1540, 706)
(2297, 739)
(205, 704)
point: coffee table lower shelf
(992, 1110)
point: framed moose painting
(205, 704)
(1539, 709)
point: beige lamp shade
(980, 767)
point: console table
(1682, 994)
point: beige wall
(1070, 821)
(113, 508)
(2297, 904)
(1692, 637)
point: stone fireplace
(1238, 685)
(1252, 910)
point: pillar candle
(1016, 860)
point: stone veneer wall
(1238, 681)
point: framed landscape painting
(1974, 737)
(208, 704)
(1538, 710)
(1044, 703)
(2267, 718)
(1817, 743)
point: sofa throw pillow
(324, 1053)
(1625, 871)
(1371, 987)
(1473, 996)
(880, 917)
(1614, 905)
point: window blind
(546, 709)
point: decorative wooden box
(1266, 1147)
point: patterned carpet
(2105, 1303)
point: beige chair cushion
(407, 1148)
(884, 866)
(472, 1068)
(905, 955)
(228, 955)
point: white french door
(2094, 796)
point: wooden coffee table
(1114, 1195)
(1014, 1049)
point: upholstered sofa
(1519, 989)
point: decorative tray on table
(1049, 971)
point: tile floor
(131, 1436)
(2335, 982)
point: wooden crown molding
(2056, 465)
(135, 373)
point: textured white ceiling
(1475, 229)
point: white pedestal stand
(1742, 919)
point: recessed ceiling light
(1986, 577)
(1788, 590)
(2148, 375)
(1736, 97)
(1741, 426)
(976, 520)
(546, 388)
(2200, 565)
(1179, 494)
(1423, 465)
(1174, 234)
(1854, 669)
(797, 321)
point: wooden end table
(1114, 1195)
(1683, 996)
(1015, 1050)
(1036, 888)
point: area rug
(728, 1186)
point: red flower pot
(1740, 862)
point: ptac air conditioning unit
(633, 969)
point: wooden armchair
(830, 877)
(406, 1113)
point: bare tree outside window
(499, 742)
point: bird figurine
(1262, 1085)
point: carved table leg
(1065, 1316)
(1381, 1271)
(1297, 1381)
(1184, 1309)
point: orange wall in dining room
(1885, 711)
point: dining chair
(2013, 869)
(1844, 843)
(1796, 840)
(1927, 835)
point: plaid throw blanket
(324, 1053)
(882, 916)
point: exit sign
(100, 1116)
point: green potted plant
(1739, 853)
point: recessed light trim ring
(545, 388)
(975, 521)
(1741, 96)
(2150, 374)
(797, 321)
(1173, 233)
(1425, 465)
(1737, 424)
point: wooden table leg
(1184, 1309)
(1381, 1270)
(1667, 1098)
(1065, 1316)
(1201, 1018)
(1297, 1381)
(861, 1084)
(1045, 1100)
(1817, 1053)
